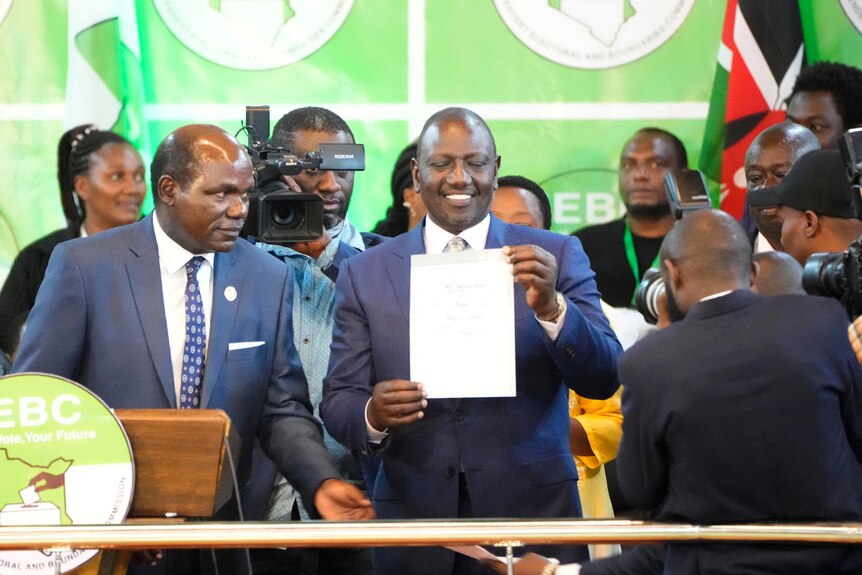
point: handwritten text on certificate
(462, 324)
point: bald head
(184, 152)
(447, 115)
(705, 253)
(777, 274)
(794, 139)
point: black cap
(816, 182)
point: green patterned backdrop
(562, 87)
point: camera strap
(632, 257)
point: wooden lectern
(195, 484)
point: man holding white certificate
(413, 315)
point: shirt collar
(436, 237)
(323, 261)
(172, 255)
(347, 233)
(716, 295)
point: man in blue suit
(111, 314)
(450, 458)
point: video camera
(839, 274)
(686, 192)
(276, 214)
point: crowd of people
(743, 405)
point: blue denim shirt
(313, 318)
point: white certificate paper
(462, 324)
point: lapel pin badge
(230, 293)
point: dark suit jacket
(99, 319)
(22, 284)
(748, 410)
(514, 451)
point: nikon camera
(277, 215)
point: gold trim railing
(146, 535)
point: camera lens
(823, 274)
(284, 214)
(647, 295)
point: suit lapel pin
(230, 293)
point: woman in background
(407, 208)
(102, 186)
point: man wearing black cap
(815, 206)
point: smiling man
(767, 160)
(621, 251)
(174, 312)
(463, 458)
(814, 206)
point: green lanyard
(631, 256)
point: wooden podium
(167, 484)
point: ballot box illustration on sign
(64, 459)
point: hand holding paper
(396, 402)
(536, 270)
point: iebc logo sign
(64, 459)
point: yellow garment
(602, 419)
(603, 422)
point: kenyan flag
(761, 53)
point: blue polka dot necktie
(192, 375)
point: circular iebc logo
(590, 34)
(64, 460)
(853, 10)
(253, 35)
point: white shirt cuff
(374, 436)
(570, 569)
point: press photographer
(838, 274)
(277, 213)
(686, 192)
(307, 200)
(731, 399)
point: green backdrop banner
(562, 83)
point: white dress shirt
(436, 238)
(172, 266)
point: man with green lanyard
(621, 251)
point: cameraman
(315, 266)
(815, 206)
(302, 131)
